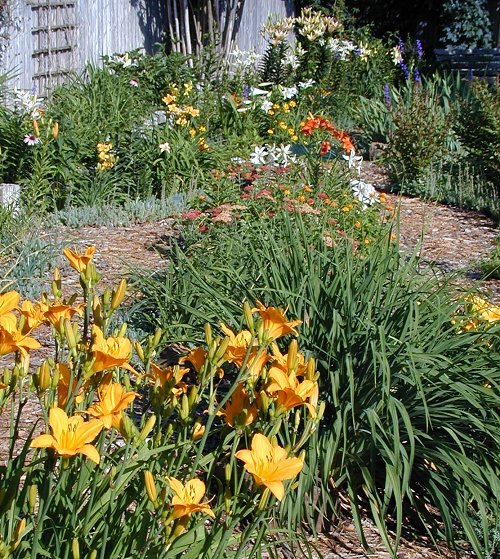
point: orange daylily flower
(59, 311)
(79, 261)
(63, 388)
(275, 323)
(237, 349)
(485, 310)
(8, 302)
(12, 339)
(171, 376)
(239, 411)
(70, 435)
(34, 315)
(269, 465)
(196, 357)
(290, 392)
(110, 352)
(187, 498)
(112, 401)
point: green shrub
(412, 402)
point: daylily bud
(17, 535)
(292, 355)
(118, 295)
(264, 401)
(193, 394)
(42, 378)
(311, 369)
(198, 430)
(150, 487)
(127, 428)
(97, 311)
(227, 472)
(123, 330)
(208, 334)
(55, 130)
(148, 427)
(35, 127)
(93, 554)
(32, 495)
(157, 337)
(70, 335)
(75, 548)
(139, 351)
(106, 298)
(184, 411)
(321, 411)
(221, 350)
(247, 313)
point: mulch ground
(447, 239)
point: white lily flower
(364, 192)
(258, 156)
(255, 91)
(289, 92)
(306, 84)
(354, 161)
(266, 105)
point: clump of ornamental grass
(130, 457)
(409, 370)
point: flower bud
(21, 525)
(247, 313)
(55, 130)
(148, 427)
(291, 361)
(221, 350)
(311, 369)
(139, 350)
(150, 487)
(75, 548)
(32, 495)
(157, 337)
(42, 378)
(93, 554)
(184, 411)
(193, 396)
(208, 334)
(118, 294)
(70, 334)
(97, 311)
(198, 430)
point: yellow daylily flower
(110, 352)
(12, 339)
(275, 323)
(57, 311)
(112, 401)
(237, 349)
(79, 261)
(187, 498)
(70, 435)
(486, 311)
(171, 376)
(34, 315)
(290, 392)
(269, 465)
(239, 411)
(8, 302)
(196, 357)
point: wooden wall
(50, 38)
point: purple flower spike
(401, 45)
(404, 69)
(417, 76)
(420, 50)
(387, 95)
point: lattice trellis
(54, 34)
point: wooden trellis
(54, 32)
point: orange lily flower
(237, 349)
(12, 339)
(275, 323)
(110, 352)
(54, 313)
(196, 357)
(70, 435)
(79, 261)
(112, 401)
(34, 315)
(269, 465)
(291, 393)
(187, 498)
(172, 376)
(239, 411)
(8, 302)
(63, 386)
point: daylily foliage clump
(133, 457)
